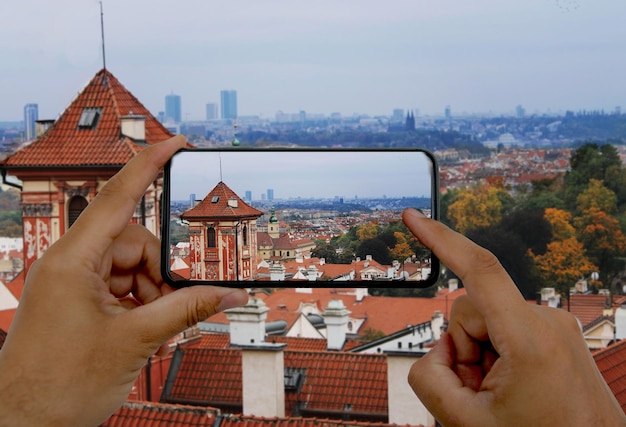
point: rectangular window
(89, 117)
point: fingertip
(236, 298)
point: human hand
(504, 362)
(94, 308)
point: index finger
(487, 283)
(108, 214)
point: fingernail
(237, 298)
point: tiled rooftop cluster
(515, 165)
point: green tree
(596, 195)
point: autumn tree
(474, 207)
(367, 231)
(603, 239)
(563, 264)
(596, 195)
(565, 260)
(402, 250)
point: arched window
(245, 235)
(74, 208)
(211, 241)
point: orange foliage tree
(474, 207)
(565, 260)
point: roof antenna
(220, 154)
(104, 61)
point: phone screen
(297, 217)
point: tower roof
(89, 131)
(221, 202)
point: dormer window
(89, 117)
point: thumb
(435, 383)
(156, 322)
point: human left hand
(95, 308)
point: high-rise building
(248, 197)
(31, 115)
(229, 104)
(270, 194)
(397, 115)
(448, 112)
(211, 111)
(172, 108)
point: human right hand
(505, 362)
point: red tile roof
(589, 307)
(221, 341)
(375, 309)
(65, 144)
(611, 362)
(247, 421)
(207, 377)
(143, 414)
(215, 205)
(334, 382)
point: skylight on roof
(89, 117)
(215, 199)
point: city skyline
(349, 57)
(304, 174)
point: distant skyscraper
(520, 111)
(192, 199)
(398, 115)
(211, 111)
(248, 196)
(229, 104)
(270, 194)
(448, 112)
(172, 108)
(31, 115)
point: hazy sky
(347, 56)
(303, 174)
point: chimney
(247, 323)
(134, 127)
(404, 407)
(436, 324)
(312, 273)
(336, 319)
(277, 272)
(620, 322)
(42, 126)
(263, 378)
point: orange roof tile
(334, 382)
(66, 144)
(143, 414)
(215, 205)
(611, 362)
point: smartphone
(246, 217)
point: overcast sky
(310, 174)
(347, 56)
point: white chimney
(336, 319)
(403, 405)
(263, 378)
(134, 127)
(277, 272)
(247, 323)
(42, 126)
(620, 323)
(312, 273)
